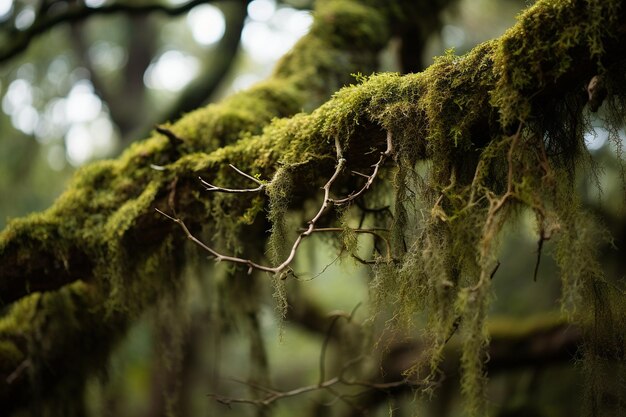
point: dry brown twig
(210, 187)
(273, 395)
(327, 202)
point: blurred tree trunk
(75, 276)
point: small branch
(329, 333)
(252, 265)
(218, 256)
(26, 363)
(496, 204)
(327, 202)
(370, 178)
(43, 23)
(275, 395)
(371, 231)
(543, 236)
(171, 136)
(210, 187)
(382, 209)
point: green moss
(341, 23)
(527, 64)
(500, 126)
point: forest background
(86, 89)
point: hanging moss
(502, 131)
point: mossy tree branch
(107, 213)
(461, 114)
(320, 63)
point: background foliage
(85, 90)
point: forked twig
(273, 395)
(210, 187)
(370, 178)
(327, 202)
(218, 256)
(371, 231)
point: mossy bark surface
(501, 128)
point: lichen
(501, 128)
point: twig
(171, 136)
(23, 366)
(252, 265)
(327, 202)
(543, 236)
(274, 394)
(218, 256)
(210, 187)
(370, 178)
(372, 231)
(329, 333)
(319, 273)
(496, 205)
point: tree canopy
(432, 165)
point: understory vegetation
(415, 176)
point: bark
(104, 238)
(74, 276)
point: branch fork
(327, 202)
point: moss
(46, 332)
(341, 23)
(500, 126)
(10, 355)
(527, 64)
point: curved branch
(79, 12)
(30, 263)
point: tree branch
(78, 12)
(327, 202)
(42, 267)
(103, 229)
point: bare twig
(210, 187)
(171, 136)
(543, 236)
(374, 231)
(327, 202)
(496, 204)
(23, 366)
(274, 395)
(323, 384)
(218, 256)
(335, 318)
(370, 178)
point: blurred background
(86, 89)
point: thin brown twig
(174, 139)
(285, 264)
(335, 318)
(17, 372)
(275, 395)
(370, 178)
(210, 187)
(326, 204)
(218, 256)
(496, 205)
